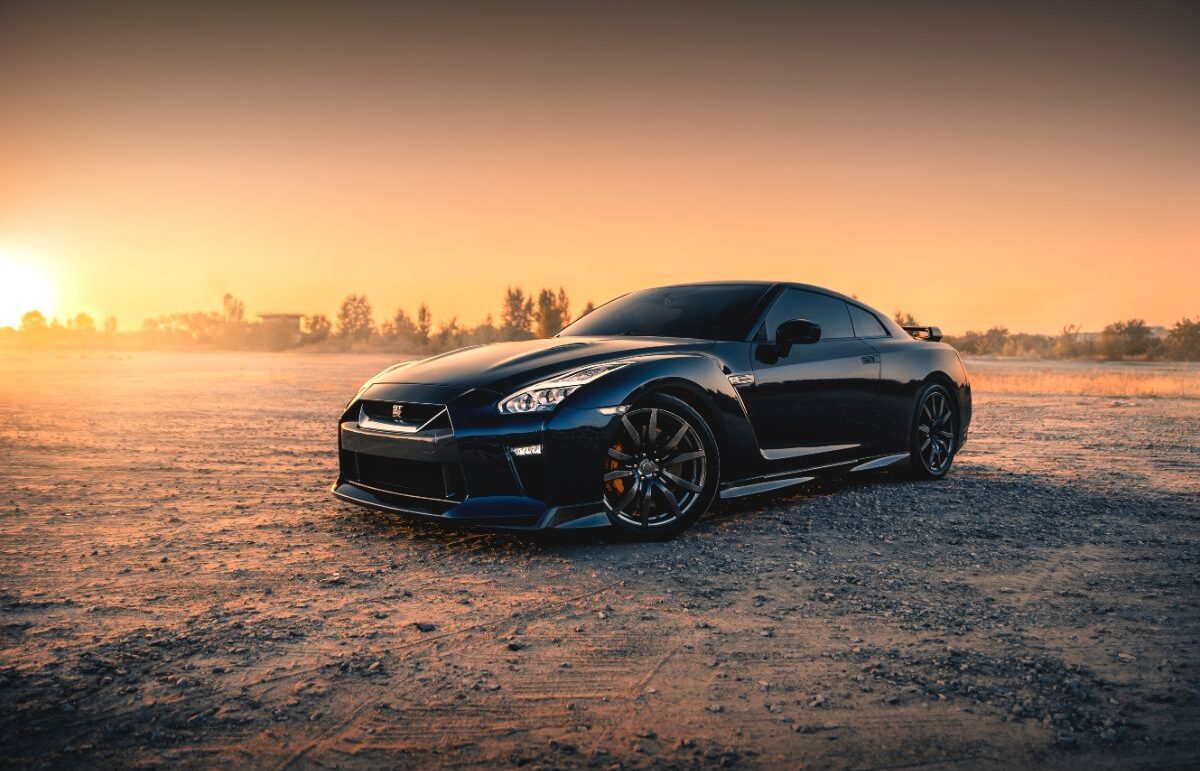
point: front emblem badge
(397, 412)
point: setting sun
(23, 287)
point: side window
(865, 323)
(827, 311)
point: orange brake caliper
(618, 485)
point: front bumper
(464, 470)
(493, 512)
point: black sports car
(642, 412)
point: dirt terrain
(177, 587)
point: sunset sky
(1033, 166)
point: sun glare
(24, 286)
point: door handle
(870, 360)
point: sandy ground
(177, 587)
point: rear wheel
(933, 442)
(661, 469)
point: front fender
(696, 378)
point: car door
(815, 404)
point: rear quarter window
(865, 323)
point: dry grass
(1162, 380)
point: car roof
(893, 328)
(770, 284)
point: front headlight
(548, 394)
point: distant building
(281, 330)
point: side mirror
(796, 332)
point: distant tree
(994, 340)
(1125, 339)
(904, 319)
(400, 331)
(486, 332)
(564, 309)
(233, 308)
(587, 309)
(516, 317)
(83, 324)
(1028, 345)
(315, 328)
(552, 312)
(975, 343)
(424, 325)
(1183, 341)
(33, 323)
(110, 326)
(1066, 345)
(449, 335)
(355, 321)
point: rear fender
(907, 367)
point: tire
(646, 495)
(933, 438)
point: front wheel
(934, 432)
(661, 469)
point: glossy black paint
(826, 406)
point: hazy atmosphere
(1030, 166)
(295, 473)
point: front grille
(426, 479)
(412, 415)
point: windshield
(706, 312)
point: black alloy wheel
(661, 469)
(933, 437)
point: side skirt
(754, 488)
(768, 483)
(884, 462)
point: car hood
(505, 366)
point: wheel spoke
(926, 443)
(923, 428)
(652, 427)
(683, 457)
(633, 433)
(628, 497)
(647, 497)
(668, 496)
(620, 456)
(670, 445)
(618, 474)
(679, 481)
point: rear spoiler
(932, 334)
